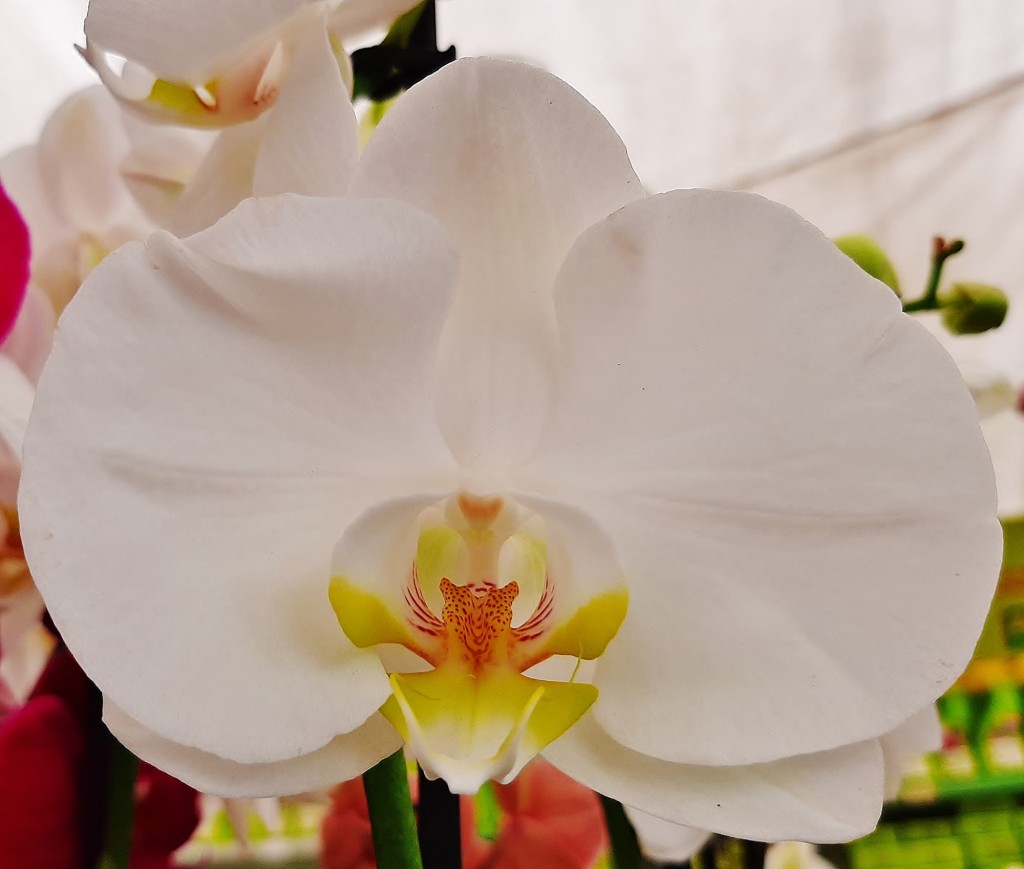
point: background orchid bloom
(73, 194)
(215, 63)
(227, 66)
(484, 399)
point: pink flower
(547, 820)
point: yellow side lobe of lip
(364, 617)
(587, 632)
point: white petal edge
(221, 471)
(343, 758)
(791, 470)
(832, 796)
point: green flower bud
(868, 254)
(968, 309)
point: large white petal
(791, 469)
(832, 796)
(343, 758)
(311, 140)
(184, 40)
(516, 165)
(214, 413)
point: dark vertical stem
(440, 828)
(625, 848)
(753, 854)
(837, 855)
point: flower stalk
(391, 813)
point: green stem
(391, 813)
(930, 300)
(625, 848)
(117, 843)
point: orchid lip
(475, 716)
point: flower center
(492, 590)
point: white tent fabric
(708, 93)
(39, 66)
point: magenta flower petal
(14, 259)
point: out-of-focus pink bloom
(547, 820)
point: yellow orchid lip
(475, 716)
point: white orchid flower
(467, 413)
(213, 63)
